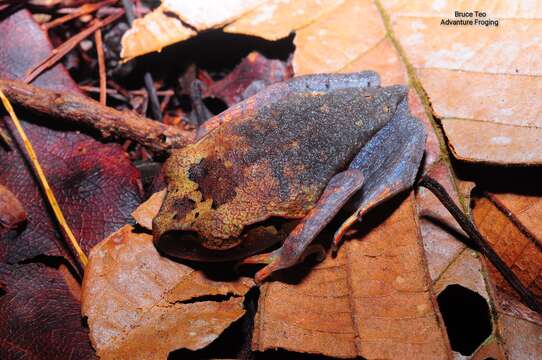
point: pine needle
(83, 260)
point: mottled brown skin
(263, 165)
(247, 182)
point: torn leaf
(141, 304)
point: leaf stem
(82, 258)
(477, 242)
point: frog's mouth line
(255, 238)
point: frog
(276, 168)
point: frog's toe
(278, 260)
(275, 260)
(266, 258)
(339, 234)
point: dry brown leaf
(276, 19)
(338, 38)
(153, 32)
(176, 20)
(316, 22)
(373, 300)
(142, 305)
(519, 328)
(12, 213)
(477, 77)
(331, 316)
(438, 228)
(205, 14)
(512, 224)
(149, 209)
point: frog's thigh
(337, 192)
(389, 162)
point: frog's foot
(296, 246)
(389, 161)
(278, 260)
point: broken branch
(108, 121)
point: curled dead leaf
(140, 304)
(253, 74)
(149, 209)
(175, 21)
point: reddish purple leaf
(95, 184)
(253, 74)
(41, 319)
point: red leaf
(253, 74)
(40, 316)
(95, 184)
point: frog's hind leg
(297, 245)
(389, 162)
(384, 167)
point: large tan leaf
(482, 81)
(142, 305)
(276, 19)
(374, 300)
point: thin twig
(81, 257)
(82, 10)
(480, 244)
(63, 49)
(108, 121)
(124, 97)
(101, 66)
(147, 77)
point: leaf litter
(132, 295)
(437, 259)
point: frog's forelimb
(340, 188)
